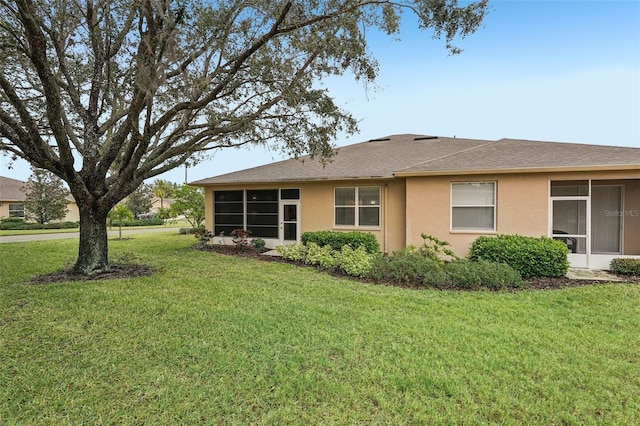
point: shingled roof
(11, 189)
(409, 154)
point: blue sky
(566, 71)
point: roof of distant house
(410, 154)
(11, 190)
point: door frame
(284, 203)
(577, 260)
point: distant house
(157, 203)
(401, 186)
(12, 200)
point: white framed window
(16, 210)
(357, 206)
(473, 206)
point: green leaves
(532, 257)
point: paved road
(41, 237)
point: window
(228, 212)
(16, 210)
(473, 206)
(262, 213)
(357, 206)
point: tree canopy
(106, 94)
(46, 197)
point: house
(12, 200)
(157, 203)
(401, 186)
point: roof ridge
(449, 155)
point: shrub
(240, 237)
(295, 252)
(408, 267)
(258, 244)
(356, 262)
(436, 249)
(531, 257)
(482, 274)
(18, 224)
(188, 231)
(140, 222)
(321, 256)
(12, 224)
(204, 236)
(462, 274)
(625, 266)
(56, 225)
(337, 240)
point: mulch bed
(116, 270)
(531, 284)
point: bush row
(624, 266)
(408, 267)
(139, 222)
(189, 231)
(531, 257)
(336, 240)
(15, 224)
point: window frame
(12, 211)
(356, 208)
(290, 194)
(494, 206)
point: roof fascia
(630, 167)
(291, 181)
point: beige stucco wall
(522, 206)
(317, 207)
(73, 215)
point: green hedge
(624, 266)
(18, 224)
(141, 222)
(531, 257)
(482, 274)
(337, 240)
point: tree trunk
(93, 252)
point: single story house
(12, 200)
(401, 186)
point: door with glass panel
(289, 226)
(570, 219)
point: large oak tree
(108, 93)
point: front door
(289, 225)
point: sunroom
(598, 219)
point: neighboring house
(401, 186)
(156, 203)
(12, 200)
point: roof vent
(424, 138)
(380, 139)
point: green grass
(221, 340)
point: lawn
(211, 339)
